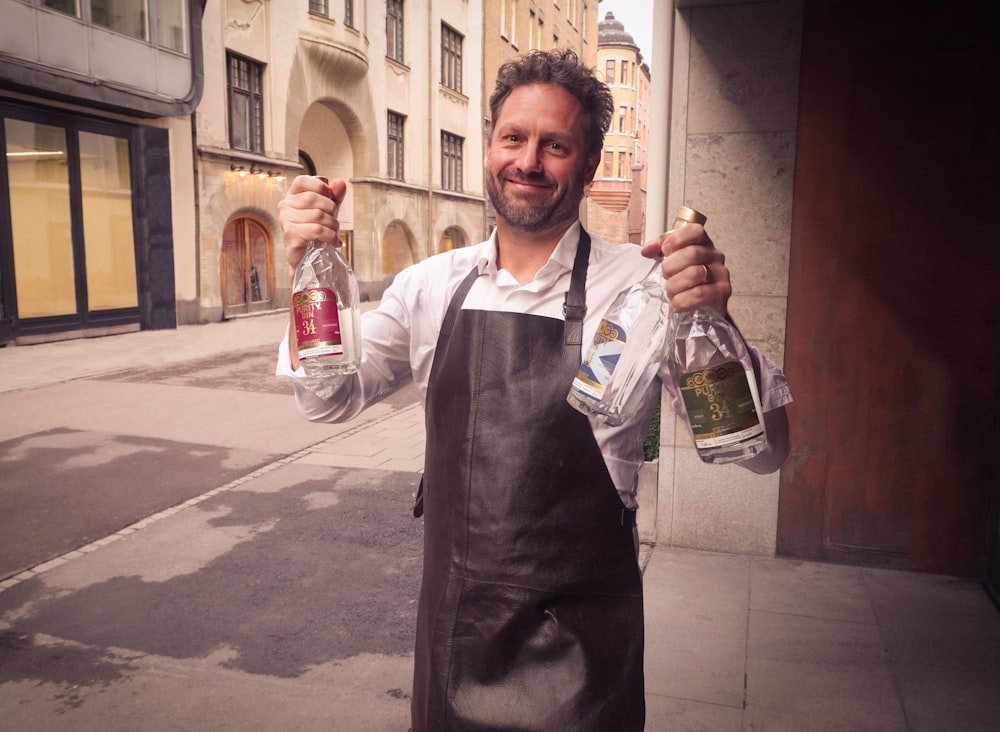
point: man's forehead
(525, 101)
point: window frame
(394, 30)
(252, 94)
(452, 162)
(395, 145)
(451, 58)
(320, 8)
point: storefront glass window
(106, 192)
(40, 219)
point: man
(530, 614)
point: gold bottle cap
(691, 216)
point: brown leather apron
(530, 614)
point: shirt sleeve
(384, 367)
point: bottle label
(317, 323)
(595, 372)
(721, 405)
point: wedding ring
(708, 275)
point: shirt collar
(560, 261)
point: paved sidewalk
(733, 642)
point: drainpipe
(661, 88)
(431, 88)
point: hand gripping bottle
(718, 389)
(325, 312)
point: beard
(533, 217)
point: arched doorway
(397, 253)
(453, 238)
(247, 277)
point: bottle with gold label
(326, 312)
(718, 386)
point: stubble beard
(533, 218)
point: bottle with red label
(326, 312)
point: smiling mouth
(537, 184)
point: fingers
(695, 271)
(309, 212)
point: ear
(590, 169)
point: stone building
(616, 202)
(155, 146)
(383, 94)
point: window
(70, 7)
(128, 17)
(513, 23)
(171, 25)
(70, 213)
(349, 13)
(451, 58)
(609, 71)
(319, 7)
(394, 30)
(621, 164)
(395, 149)
(536, 31)
(451, 162)
(609, 163)
(246, 104)
(163, 22)
(503, 18)
(621, 118)
(624, 80)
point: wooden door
(893, 347)
(245, 267)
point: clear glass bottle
(718, 386)
(718, 389)
(326, 312)
(629, 345)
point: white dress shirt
(399, 336)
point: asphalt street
(167, 523)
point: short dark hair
(563, 68)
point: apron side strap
(418, 502)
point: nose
(530, 159)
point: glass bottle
(629, 345)
(718, 389)
(326, 311)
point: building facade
(150, 165)
(382, 94)
(616, 202)
(97, 186)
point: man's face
(536, 166)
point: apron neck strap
(575, 305)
